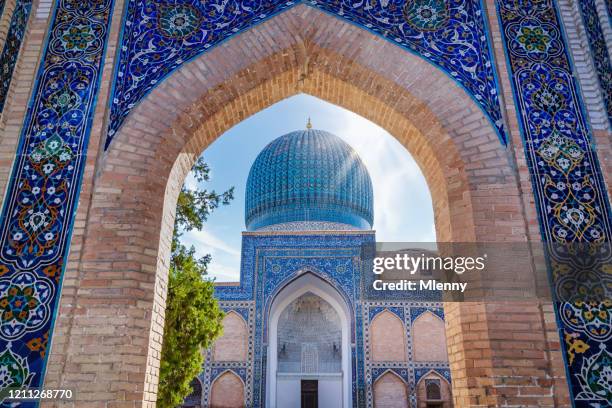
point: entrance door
(310, 394)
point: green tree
(193, 317)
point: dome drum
(289, 215)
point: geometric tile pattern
(160, 35)
(40, 203)
(269, 262)
(599, 51)
(10, 51)
(566, 176)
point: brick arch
(398, 91)
(126, 237)
(227, 391)
(233, 343)
(387, 338)
(428, 338)
(390, 391)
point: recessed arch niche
(309, 286)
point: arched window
(390, 392)
(429, 338)
(309, 336)
(433, 391)
(227, 391)
(387, 338)
(232, 345)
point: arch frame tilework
(40, 202)
(408, 370)
(397, 312)
(216, 374)
(244, 369)
(420, 373)
(443, 374)
(566, 177)
(472, 66)
(320, 272)
(415, 314)
(402, 374)
(243, 315)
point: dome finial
(309, 125)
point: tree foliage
(193, 317)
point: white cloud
(206, 242)
(225, 263)
(395, 176)
(190, 181)
(223, 273)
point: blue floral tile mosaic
(41, 200)
(160, 36)
(570, 193)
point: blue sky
(402, 202)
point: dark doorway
(310, 394)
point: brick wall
(227, 392)
(428, 338)
(388, 338)
(232, 345)
(390, 392)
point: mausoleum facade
(304, 309)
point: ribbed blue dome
(308, 175)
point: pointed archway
(308, 283)
(137, 180)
